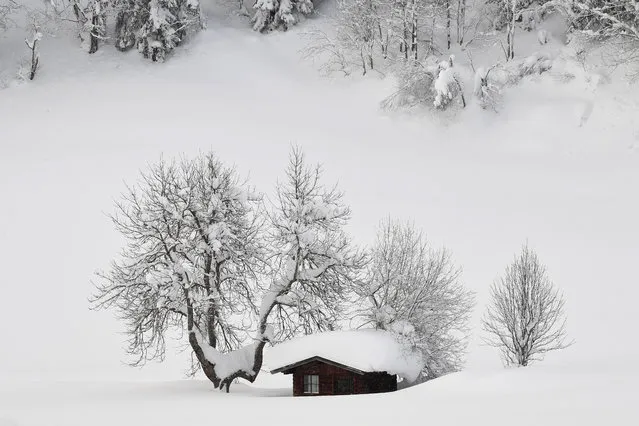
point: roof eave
(288, 367)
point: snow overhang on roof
(360, 351)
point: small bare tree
(526, 317)
(32, 44)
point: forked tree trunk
(208, 368)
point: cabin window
(311, 383)
(344, 386)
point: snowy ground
(534, 396)
(480, 186)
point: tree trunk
(209, 368)
(461, 21)
(403, 46)
(448, 19)
(413, 40)
(95, 21)
(382, 42)
(510, 37)
(361, 52)
(510, 41)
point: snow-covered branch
(199, 250)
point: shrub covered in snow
(485, 90)
(435, 86)
(537, 63)
(447, 85)
(415, 87)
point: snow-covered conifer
(155, 27)
(159, 34)
(128, 21)
(279, 14)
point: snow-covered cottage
(344, 362)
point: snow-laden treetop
(366, 350)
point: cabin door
(343, 386)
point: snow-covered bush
(537, 63)
(447, 86)
(415, 87)
(435, 86)
(542, 36)
(485, 90)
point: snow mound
(364, 350)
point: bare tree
(414, 291)
(201, 254)
(32, 44)
(525, 318)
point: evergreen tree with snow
(155, 27)
(279, 14)
(128, 22)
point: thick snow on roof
(366, 350)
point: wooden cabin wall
(366, 383)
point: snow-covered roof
(364, 350)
